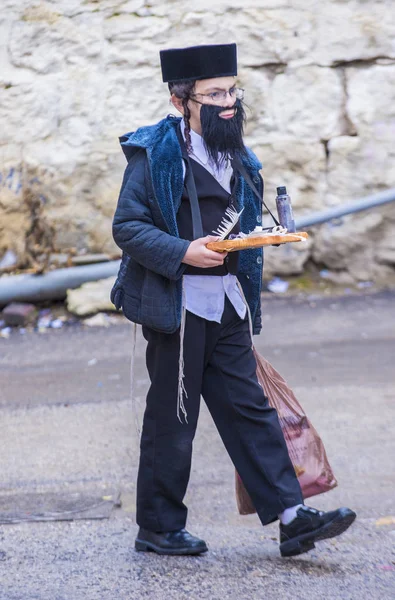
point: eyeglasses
(218, 97)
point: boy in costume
(193, 304)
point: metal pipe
(54, 284)
(340, 211)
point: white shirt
(204, 295)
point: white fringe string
(181, 385)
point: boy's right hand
(198, 255)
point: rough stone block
(358, 166)
(299, 165)
(91, 297)
(288, 259)
(18, 314)
(348, 31)
(307, 102)
(371, 101)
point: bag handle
(240, 167)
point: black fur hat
(199, 62)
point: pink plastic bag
(305, 446)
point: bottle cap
(281, 191)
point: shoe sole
(304, 543)
(141, 546)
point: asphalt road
(67, 424)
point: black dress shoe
(311, 525)
(169, 542)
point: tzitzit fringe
(181, 385)
(181, 375)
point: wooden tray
(256, 241)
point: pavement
(68, 426)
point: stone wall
(320, 84)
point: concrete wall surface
(320, 85)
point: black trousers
(220, 366)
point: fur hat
(199, 62)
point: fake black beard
(223, 138)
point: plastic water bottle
(284, 209)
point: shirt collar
(200, 152)
(198, 148)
